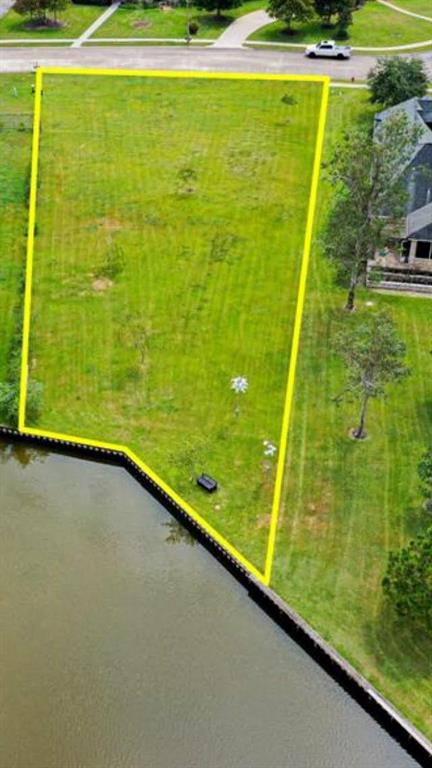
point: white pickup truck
(329, 49)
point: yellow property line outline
(264, 577)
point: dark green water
(124, 646)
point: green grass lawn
(415, 6)
(374, 25)
(76, 19)
(195, 207)
(347, 503)
(16, 114)
(133, 22)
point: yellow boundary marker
(264, 577)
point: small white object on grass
(239, 384)
(269, 448)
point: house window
(424, 250)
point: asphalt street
(183, 58)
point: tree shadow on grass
(214, 22)
(24, 27)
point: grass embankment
(16, 115)
(348, 503)
(374, 25)
(166, 263)
(155, 22)
(75, 20)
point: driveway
(239, 31)
(182, 58)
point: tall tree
(288, 10)
(327, 9)
(218, 5)
(344, 17)
(369, 196)
(374, 357)
(394, 79)
(408, 580)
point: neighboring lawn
(16, 115)
(348, 503)
(191, 195)
(374, 25)
(76, 19)
(415, 6)
(132, 22)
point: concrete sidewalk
(96, 24)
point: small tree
(56, 7)
(288, 10)
(218, 5)
(394, 79)
(424, 469)
(374, 357)
(31, 8)
(327, 9)
(40, 9)
(369, 196)
(408, 580)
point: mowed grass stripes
(170, 220)
(347, 503)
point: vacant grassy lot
(154, 22)
(171, 219)
(346, 503)
(16, 113)
(76, 19)
(374, 25)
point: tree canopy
(394, 79)
(424, 469)
(374, 357)
(369, 196)
(40, 9)
(408, 580)
(288, 10)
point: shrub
(408, 580)
(193, 27)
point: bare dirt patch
(142, 24)
(315, 517)
(110, 224)
(102, 284)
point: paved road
(239, 31)
(207, 59)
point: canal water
(126, 645)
